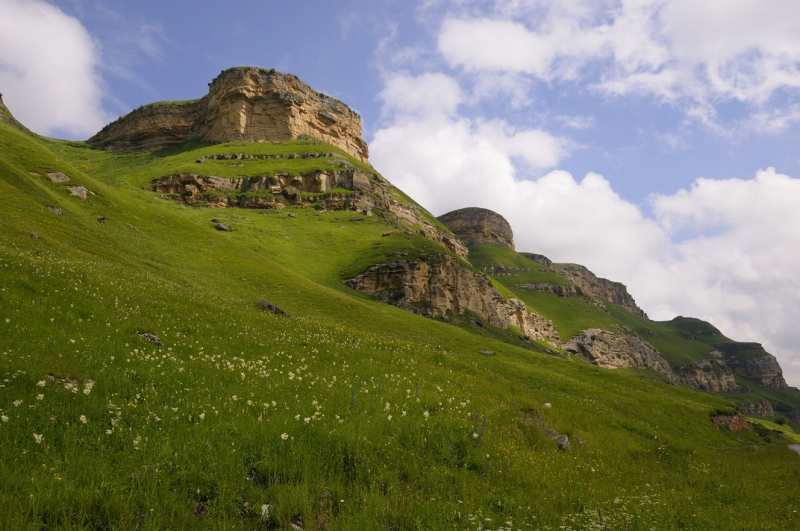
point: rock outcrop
(613, 350)
(602, 288)
(479, 226)
(242, 104)
(762, 409)
(764, 369)
(436, 285)
(711, 374)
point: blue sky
(654, 141)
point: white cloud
(421, 95)
(48, 70)
(698, 51)
(576, 121)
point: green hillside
(345, 414)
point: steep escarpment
(749, 360)
(763, 369)
(436, 285)
(242, 104)
(479, 226)
(614, 292)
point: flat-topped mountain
(243, 104)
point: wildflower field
(345, 414)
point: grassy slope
(190, 435)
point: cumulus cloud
(699, 51)
(48, 70)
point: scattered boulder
(55, 210)
(101, 219)
(58, 177)
(222, 227)
(387, 233)
(268, 306)
(291, 215)
(34, 236)
(151, 338)
(78, 191)
(562, 442)
(486, 352)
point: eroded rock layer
(242, 104)
(436, 285)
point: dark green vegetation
(348, 414)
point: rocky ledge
(435, 285)
(242, 104)
(346, 189)
(613, 350)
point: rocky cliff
(602, 288)
(436, 285)
(613, 350)
(479, 226)
(711, 374)
(764, 369)
(242, 104)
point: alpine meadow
(216, 314)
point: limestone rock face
(762, 369)
(602, 288)
(762, 409)
(242, 104)
(434, 285)
(711, 374)
(612, 350)
(479, 226)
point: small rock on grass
(58, 177)
(268, 306)
(150, 337)
(486, 352)
(222, 227)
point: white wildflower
(83, 419)
(38, 438)
(202, 415)
(4, 418)
(39, 397)
(17, 403)
(41, 383)
(284, 436)
(548, 404)
(426, 415)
